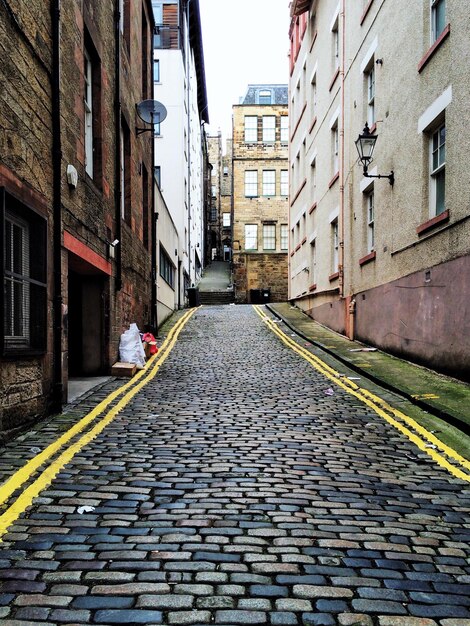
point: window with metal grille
(167, 269)
(251, 129)
(269, 236)
(24, 294)
(269, 128)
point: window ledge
(298, 121)
(365, 12)
(333, 277)
(304, 182)
(312, 287)
(333, 180)
(333, 80)
(297, 247)
(312, 208)
(304, 240)
(314, 38)
(432, 50)
(367, 259)
(432, 223)
(314, 121)
(292, 253)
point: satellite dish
(151, 111)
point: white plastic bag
(131, 349)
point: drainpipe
(342, 176)
(57, 394)
(188, 67)
(117, 131)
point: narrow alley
(239, 485)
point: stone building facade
(386, 264)
(213, 240)
(77, 195)
(260, 193)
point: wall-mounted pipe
(57, 392)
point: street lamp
(365, 145)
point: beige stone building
(387, 264)
(260, 194)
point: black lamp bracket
(391, 176)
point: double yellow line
(128, 391)
(421, 437)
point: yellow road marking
(45, 478)
(380, 406)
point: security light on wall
(365, 145)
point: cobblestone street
(240, 486)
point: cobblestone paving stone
(232, 490)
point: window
(156, 125)
(265, 97)
(251, 236)
(314, 96)
(146, 224)
(145, 56)
(438, 18)
(88, 101)
(158, 175)
(226, 220)
(335, 34)
(225, 170)
(313, 262)
(125, 172)
(313, 178)
(214, 191)
(24, 278)
(251, 183)
(370, 222)
(284, 182)
(334, 245)
(269, 236)
(156, 71)
(251, 129)
(269, 129)
(269, 182)
(437, 170)
(284, 129)
(335, 147)
(167, 269)
(371, 95)
(284, 237)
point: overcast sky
(245, 42)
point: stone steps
(216, 297)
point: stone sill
(312, 208)
(333, 80)
(365, 12)
(333, 180)
(432, 223)
(432, 50)
(333, 277)
(368, 258)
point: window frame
(269, 237)
(251, 132)
(251, 236)
(284, 238)
(370, 77)
(436, 173)
(269, 130)
(268, 184)
(166, 267)
(284, 129)
(335, 147)
(226, 223)
(370, 218)
(265, 94)
(88, 115)
(284, 184)
(335, 245)
(436, 6)
(251, 185)
(32, 278)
